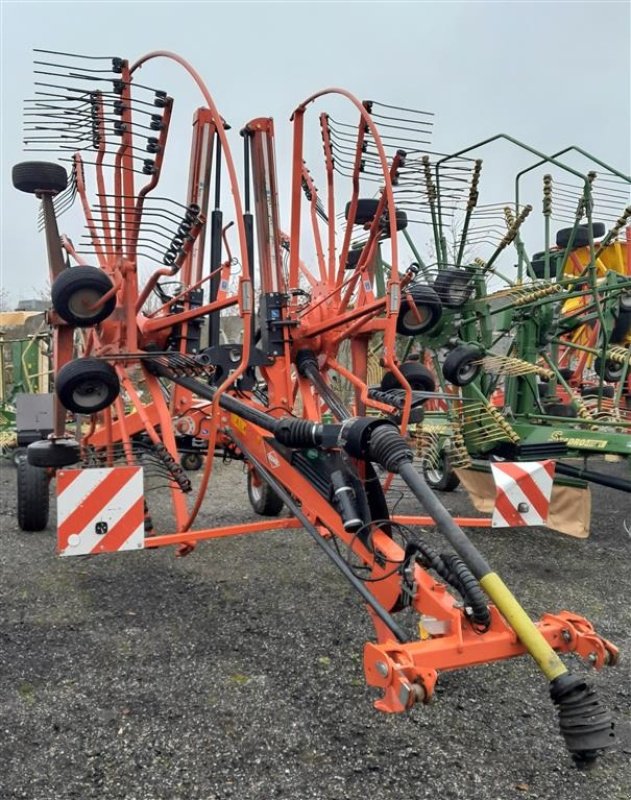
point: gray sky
(550, 73)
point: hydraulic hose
(456, 573)
(464, 581)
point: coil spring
(392, 397)
(537, 294)
(501, 423)
(94, 114)
(618, 354)
(547, 195)
(458, 452)
(513, 229)
(175, 470)
(582, 410)
(473, 189)
(183, 232)
(429, 183)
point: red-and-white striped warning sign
(99, 510)
(522, 493)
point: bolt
(419, 693)
(566, 636)
(592, 658)
(404, 694)
(382, 668)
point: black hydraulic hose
(594, 477)
(463, 580)
(456, 573)
(335, 557)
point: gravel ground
(236, 672)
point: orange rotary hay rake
(292, 398)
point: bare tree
(42, 292)
(5, 300)
(453, 233)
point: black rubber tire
(622, 328)
(33, 497)
(352, 260)
(18, 454)
(581, 239)
(560, 410)
(625, 302)
(401, 223)
(366, 210)
(76, 289)
(459, 367)
(191, 462)
(53, 454)
(538, 264)
(263, 498)
(441, 477)
(613, 370)
(592, 391)
(454, 287)
(34, 177)
(428, 305)
(418, 376)
(87, 385)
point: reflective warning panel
(522, 492)
(99, 510)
